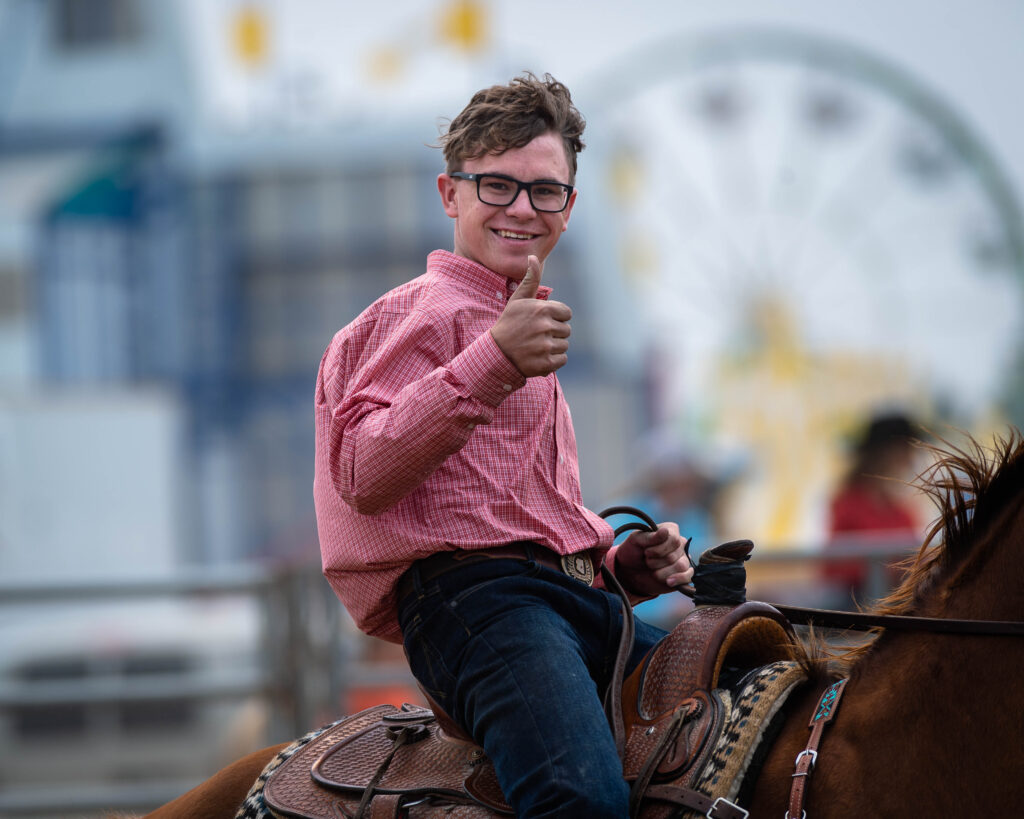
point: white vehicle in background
(137, 693)
(109, 673)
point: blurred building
(212, 266)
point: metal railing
(877, 556)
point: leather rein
(859, 621)
(847, 620)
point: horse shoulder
(220, 796)
(772, 790)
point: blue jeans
(520, 655)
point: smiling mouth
(511, 234)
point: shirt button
(507, 387)
(470, 426)
(561, 459)
(499, 295)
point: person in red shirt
(447, 487)
(870, 506)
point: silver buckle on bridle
(723, 802)
(814, 759)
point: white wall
(45, 84)
(88, 485)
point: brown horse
(929, 724)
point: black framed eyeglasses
(501, 191)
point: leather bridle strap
(939, 625)
(695, 800)
(613, 694)
(369, 807)
(822, 716)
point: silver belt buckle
(578, 566)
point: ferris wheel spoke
(689, 194)
(710, 279)
(841, 214)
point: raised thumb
(527, 288)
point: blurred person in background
(872, 506)
(447, 487)
(679, 482)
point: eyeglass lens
(497, 190)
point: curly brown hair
(510, 116)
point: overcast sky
(967, 50)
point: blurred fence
(307, 660)
(290, 661)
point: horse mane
(970, 486)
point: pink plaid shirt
(428, 438)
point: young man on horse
(447, 488)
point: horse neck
(951, 699)
(986, 584)
(927, 721)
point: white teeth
(508, 234)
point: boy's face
(501, 237)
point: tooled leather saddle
(667, 717)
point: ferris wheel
(811, 232)
(766, 169)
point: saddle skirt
(679, 729)
(398, 757)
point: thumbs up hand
(532, 333)
(528, 287)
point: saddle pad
(253, 806)
(753, 707)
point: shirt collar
(475, 275)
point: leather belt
(582, 566)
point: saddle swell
(672, 711)
(692, 656)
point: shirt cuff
(485, 371)
(634, 598)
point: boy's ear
(568, 211)
(446, 187)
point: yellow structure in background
(792, 406)
(386, 64)
(464, 25)
(250, 36)
(459, 25)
